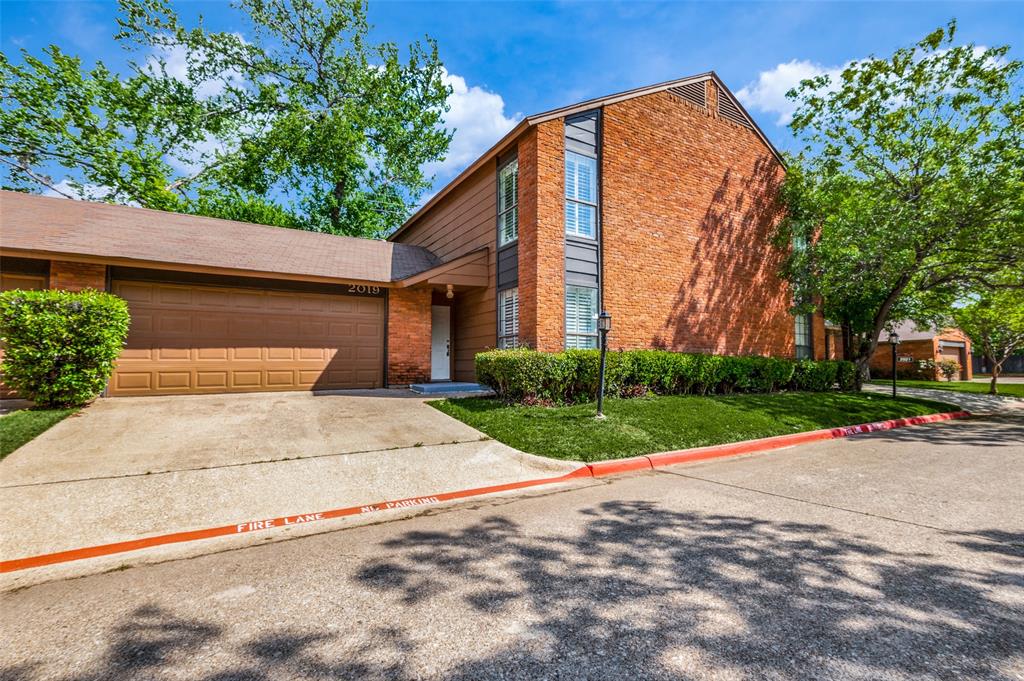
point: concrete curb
(591, 470)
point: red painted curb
(597, 469)
(615, 466)
(780, 441)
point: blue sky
(509, 59)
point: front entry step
(448, 387)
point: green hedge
(60, 346)
(572, 375)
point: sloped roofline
(586, 105)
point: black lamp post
(604, 325)
(894, 340)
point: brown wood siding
(463, 221)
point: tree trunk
(339, 197)
(996, 368)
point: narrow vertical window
(508, 203)
(804, 347)
(580, 317)
(508, 318)
(580, 195)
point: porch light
(449, 292)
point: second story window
(580, 195)
(508, 203)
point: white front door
(440, 342)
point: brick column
(408, 336)
(75, 276)
(542, 237)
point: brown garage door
(188, 338)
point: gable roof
(40, 226)
(586, 105)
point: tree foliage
(994, 321)
(302, 120)
(908, 191)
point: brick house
(917, 346)
(655, 204)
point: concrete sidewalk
(305, 455)
(976, 403)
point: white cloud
(768, 92)
(175, 60)
(66, 189)
(478, 119)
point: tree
(908, 190)
(302, 120)
(994, 321)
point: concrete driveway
(129, 468)
(896, 556)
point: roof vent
(730, 112)
(691, 92)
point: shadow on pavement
(639, 592)
(996, 430)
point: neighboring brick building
(657, 205)
(919, 352)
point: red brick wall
(542, 237)
(408, 336)
(688, 215)
(75, 276)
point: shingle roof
(50, 226)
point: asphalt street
(895, 555)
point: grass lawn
(20, 426)
(1006, 389)
(657, 424)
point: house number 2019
(362, 288)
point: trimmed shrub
(814, 376)
(60, 346)
(846, 375)
(571, 376)
(949, 369)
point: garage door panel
(287, 354)
(177, 324)
(173, 354)
(173, 380)
(211, 326)
(243, 354)
(187, 339)
(248, 299)
(132, 381)
(246, 380)
(212, 379)
(212, 354)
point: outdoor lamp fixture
(604, 325)
(894, 340)
(449, 292)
